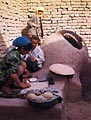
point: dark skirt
(32, 66)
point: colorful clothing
(9, 64)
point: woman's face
(40, 13)
(23, 51)
(34, 43)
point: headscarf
(39, 9)
(21, 41)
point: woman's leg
(10, 81)
(35, 66)
(24, 65)
(20, 70)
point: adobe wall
(59, 14)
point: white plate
(33, 79)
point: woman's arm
(16, 79)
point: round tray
(62, 69)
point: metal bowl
(47, 104)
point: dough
(62, 69)
(40, 99)
(48, 95)
(31, 96)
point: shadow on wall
(3, 46)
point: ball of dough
(48, 95)
(40, 99)
(31, 96)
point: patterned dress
(9, 64)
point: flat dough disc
(62, 69)
(33, 79)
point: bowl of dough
(43, 98)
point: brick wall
(59, 14)
(13, 15)
(67, 14)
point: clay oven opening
(73, 39)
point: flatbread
(62, 69)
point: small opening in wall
(73, 41)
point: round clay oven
(65, 47)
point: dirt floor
(76, 107)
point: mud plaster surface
(76, 107)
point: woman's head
(24, 44)
(35, 41)
(39, 11)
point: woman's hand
(33, 59)
(25, 85)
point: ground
(76, 107)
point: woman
(35, 58)
(12, 66)
(35, 23)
